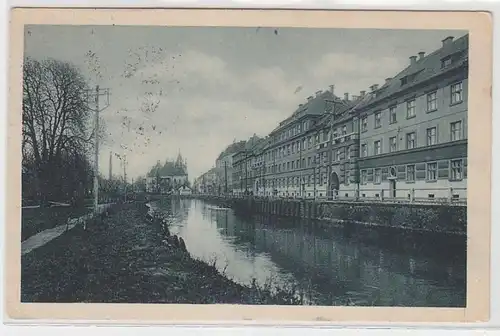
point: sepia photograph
(245, 165)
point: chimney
(447, 40)
(421, 55)
(346, 96)
(362, 93)
(413, 60)
(332, 88)
(309, 98)
(355, 97)
(374, 87)
(388, 79)
(318, 93)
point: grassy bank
(35, 220)
(125, 259)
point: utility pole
(96, 94)
(225, 175)
(125, 177)
(246, 173)
(330, 148)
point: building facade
(225, 167)
(167, 177)
(405, 139)
(413, 130)
(292, 167)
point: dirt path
(46, 236)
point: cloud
(355, 71)
(196, 103)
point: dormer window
(404, 80)
(446, 62)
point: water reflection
(333, 268)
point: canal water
(323, 262)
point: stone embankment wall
(412, 217)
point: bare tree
(56, 121)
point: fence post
(412, 195)
(450, 196)
(382, 194)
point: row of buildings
(405, 138)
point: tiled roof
(316, 106)
(232, 148)
(423, 69)
(341, 106)
(168, 169)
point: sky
(195, 90)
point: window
(431, 136)
(410, 140)
(297, 164)
(456, 131)
(445, 62)
(456, 169)
(432, 171)
(456, 93)
(348, 152)
(323, 177)
(363, 150)
(344, 130)
(432, 101)
(392, 115)
(337, 158)
(309, 143)
(410, 173)
(377, 148)
(377, 176)
(309, 161)
(378, 119)
(404, 80)
(363, 177)
(288, 166)
(325, 136)
(292, 164)
(304, 144)
(410, 108)
(364, 124)
(393, 145)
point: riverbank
(442, 219)
(124, 258)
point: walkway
(46, 236)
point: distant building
(167, 177)
(224, 165)
(184, 191)
(207, 183)
(242, 174)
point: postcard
(216, 166)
